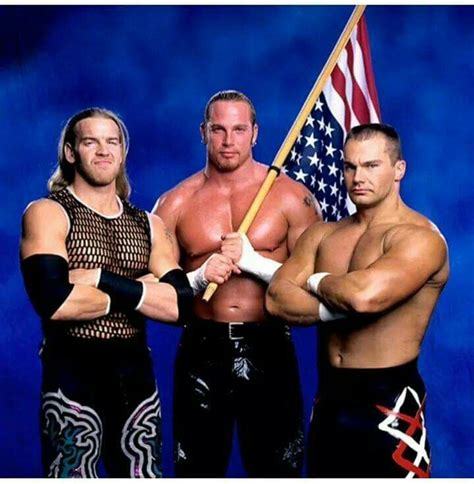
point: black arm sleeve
(178, 279)
(46, 279)
(125, 294)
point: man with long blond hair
(91, 263)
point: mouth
(228, 154)
(359, 191)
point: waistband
(234, 330)
(368, 383)
(65, 342)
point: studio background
(157, 66)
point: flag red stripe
(359, 103)
(363, 39)
(339, 83)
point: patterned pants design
(99, 400)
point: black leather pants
(244, 375)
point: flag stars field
(318, 161)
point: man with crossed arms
(371, 281)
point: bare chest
(212, 214)
(350, 249)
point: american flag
(348, 98)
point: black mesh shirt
(120, 244)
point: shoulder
(45, 218)
(290, 186)
(173, 199)
(156, 223)
(419, 234)
(291, 189)
(295, 198)
(161, 235)
(44, 209)
(318, 231)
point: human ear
(400, 168)
(69, 153)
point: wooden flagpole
(298, 124)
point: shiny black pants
(99, 400)
(244, 375)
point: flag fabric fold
(348, 98)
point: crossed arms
(412, 255)
(84, 301)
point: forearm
(353, 293)
(83, 303)
(291, 303)
(159, 302)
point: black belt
(235, 330)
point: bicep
(409, 263)
(163, 256)
(167, 216)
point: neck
(386, 211)
(241, 175)
(102, 199)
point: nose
(229, 138)
(102, 148)
(358, 175)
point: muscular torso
(380, 340)
(203, 208)
(212, 212)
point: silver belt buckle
(231, 336)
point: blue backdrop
(157, 66)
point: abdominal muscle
(240, 299)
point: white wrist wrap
(254, 263)
(325, 314)
(314, 280)
(197, 279)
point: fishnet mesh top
(120, 244)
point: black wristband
(178, 279)
(125, 294)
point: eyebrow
(217, 125)
(94, 138)
(364, 163)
